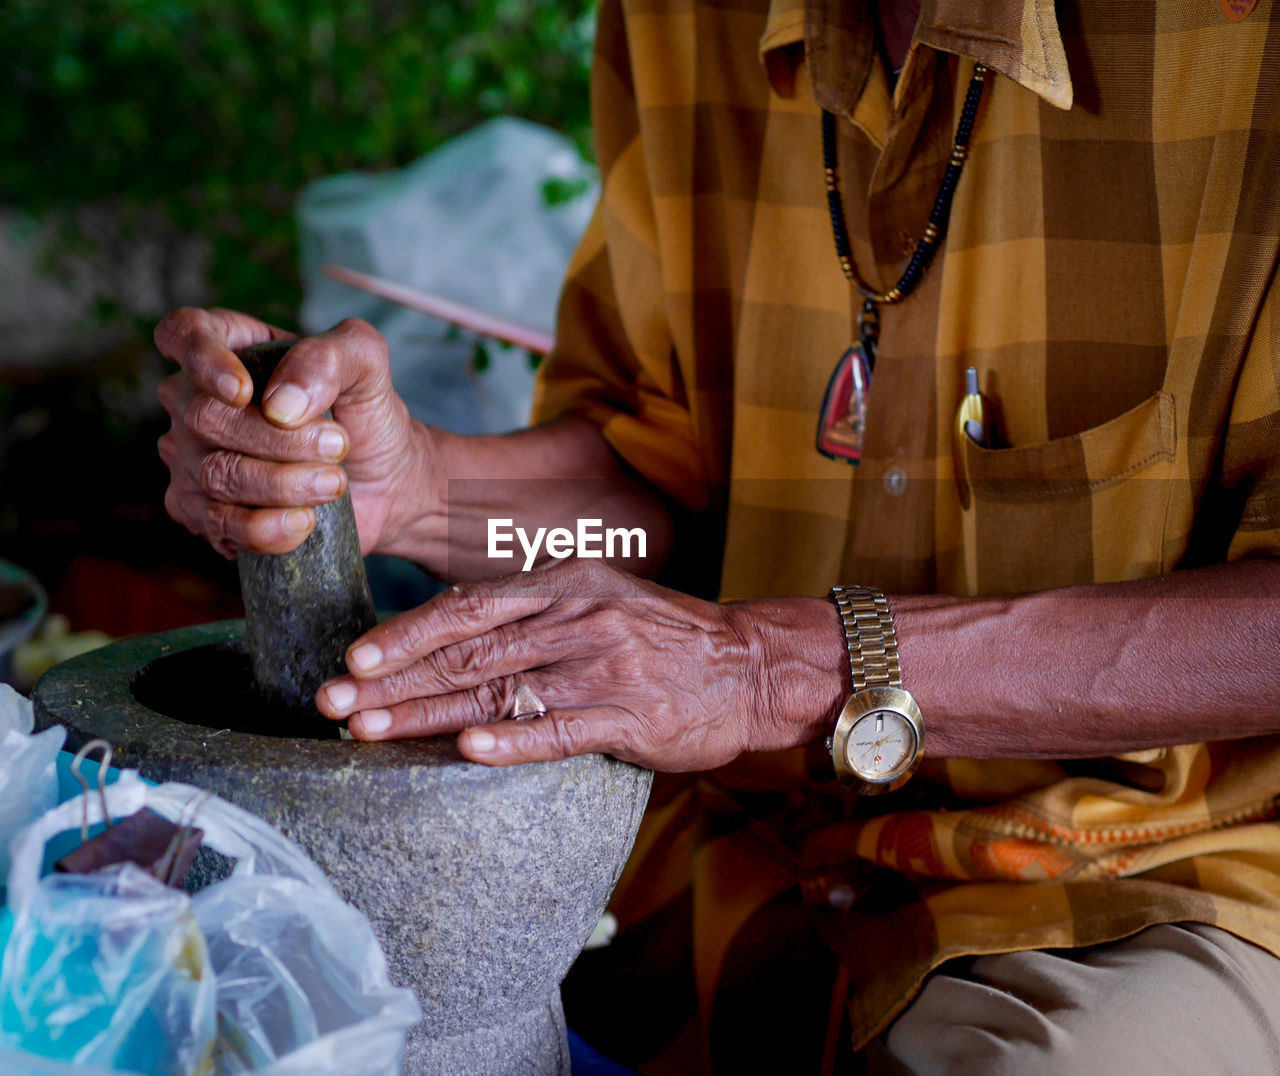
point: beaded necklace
(843, 417)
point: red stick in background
(479, 322)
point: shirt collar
(1017, 38)
(783, 30)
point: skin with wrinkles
(643, 672)
(247, 477)
(565, 630)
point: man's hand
(246, 478)
(625, 667)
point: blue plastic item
(267, 971)
(68, 788)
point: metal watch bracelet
(885, 754)
(869, 636)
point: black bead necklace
(843, 417)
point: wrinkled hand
(625, 667)
(246, 478)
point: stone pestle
(302, 609)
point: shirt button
(840, 897)
(895, 481)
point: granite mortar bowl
(482, 884)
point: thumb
(555, 735)
(347, 363)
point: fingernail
(228, 387)
(297, 521)
(286, 404)
(332, 444)
(328, 484)
(481, 741)
(375, 721)
(341, 697)
(366, 656)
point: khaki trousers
(1180, 998)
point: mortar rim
(125, 722)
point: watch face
(881, 745)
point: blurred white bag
(28, 778)
(267, 971)
(470, 222)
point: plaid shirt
(1109, 270)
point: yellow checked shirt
(1109, 270)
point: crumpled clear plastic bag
(302, 983)
(470, 221)
(267, 971)
(109, 971)
(28, 779)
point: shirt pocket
(1087, 508)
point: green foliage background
(216, 112)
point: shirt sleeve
(614, 362)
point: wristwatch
(879, 736)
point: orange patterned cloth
(1110, 270)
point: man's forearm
(1097, 670)
(1076, 672)
(546, 477)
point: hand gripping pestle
(302, 609)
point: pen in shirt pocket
(971, 419)
(971, 426)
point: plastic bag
(302, 983)
(472, 222)
(296, 981)
(109, 970)
(28, 781)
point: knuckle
(220, 474)
(218, 525)
(368, 336)
(356, 326)
(208, 416)
(469, 657)
(391, 688)
(372, 353)
(471, 603)
(173, 326)
(569, 735)
(173, 505)
(300, 481)
(607, 624)
(650, 728)
(402, 684)
(631, 668)
(493, 697)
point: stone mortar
(482, 884)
